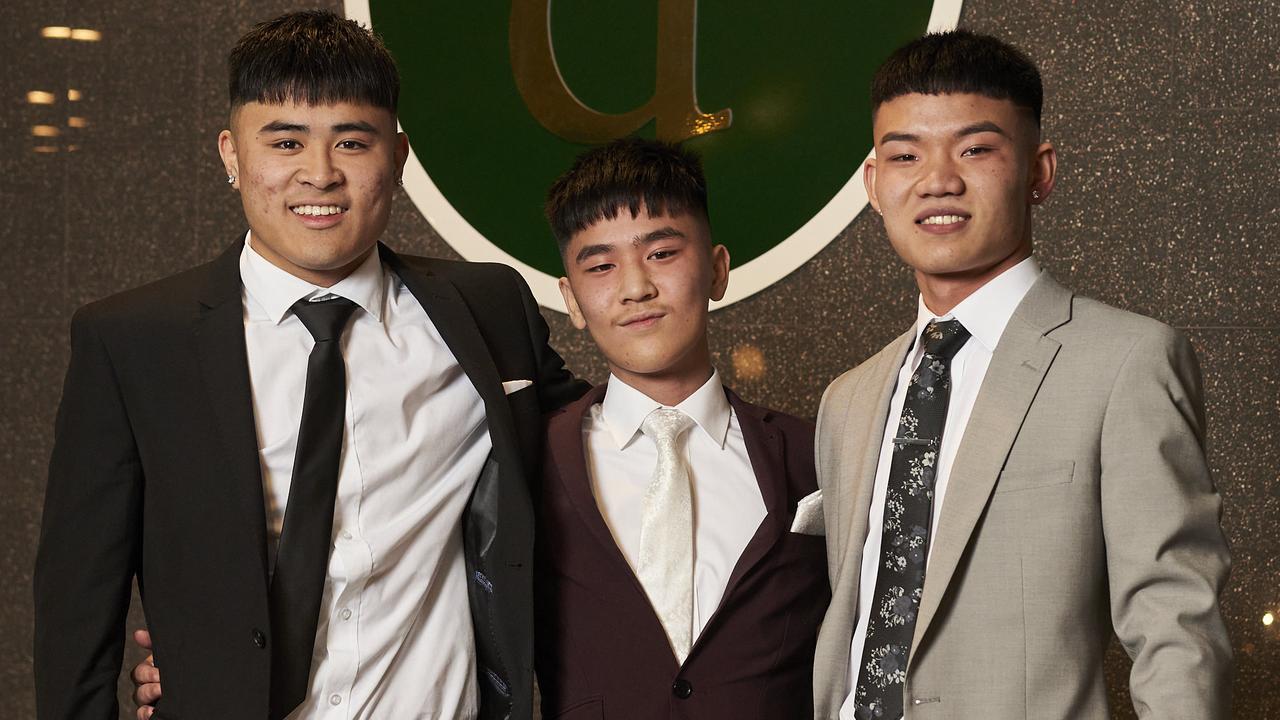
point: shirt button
(346, 613)
(259, 639)
(682, 689)
(335, 699)
(346, 534)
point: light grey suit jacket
(1079, 501)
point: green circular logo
(498, 99)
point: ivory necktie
(302, 558)
(908, 512)
(665, 567)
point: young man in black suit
(307, 440)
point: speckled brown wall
(1166, 114)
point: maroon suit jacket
(599, 648)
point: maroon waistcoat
(600, 650)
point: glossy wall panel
(1166, 114)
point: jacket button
(682, 689)
(259, 639)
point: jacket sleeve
(556, 386)
(1167, 559)
(90, 540)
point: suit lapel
(218, 330)
(457, 326)
(570, 456)
(765, 449)
(864, 428)
(1017, 368)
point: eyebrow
(283, 126)
(661, 233)
(974, 129)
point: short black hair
(632, 173)
(959, 61)
(312, 57)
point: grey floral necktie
(908, 512)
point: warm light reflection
(77, 122)
(73, 95)
(72, 148)
(86, 35)
(40, 97)
(60, 32)
(1267, 619)
(46, 148)
(44, 131)
(748, 363)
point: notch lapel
(1018, 367)
(218, 331)
(766, 451)
(860, 438)
(457, 326)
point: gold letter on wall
(674, 103)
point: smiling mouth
(318, 210)
(942, 220)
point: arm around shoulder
(1167, 559)
(556, 386)
(90, 539)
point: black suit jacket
(601, 651)
(155, 473)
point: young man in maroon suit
(670, 580)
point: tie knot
(325, 319)
(944, 339)
(665, 425)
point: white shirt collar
(625, 408)
(275, 290)
(986, 312)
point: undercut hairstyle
(959, 61)
(630, 174)
(312, 57)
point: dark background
(1166, 114)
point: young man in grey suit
(1023, 470)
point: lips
(642, 320)
(317, 210)
(943, 217)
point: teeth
(942, 220)
(318, 210)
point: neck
(941, 293)
(670, 389)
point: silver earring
(1035, 194)
(231, 179)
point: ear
(571, 304)
(230, 160)
(869, 181)
(719, 271)
(1044, 173)
(402, 153)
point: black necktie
(908, 513)
(302, 558)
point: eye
(902, 157)
(602, 267)
(662, 254)
(975, 150)
(286, 145)
(352, 145)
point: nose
(940, 178)
(319, 170)
(636, 285)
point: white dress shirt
(394, 638)
(727, 504)
(984, 314)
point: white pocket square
(511, 386)
(809, 516)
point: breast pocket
(1017, 477)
